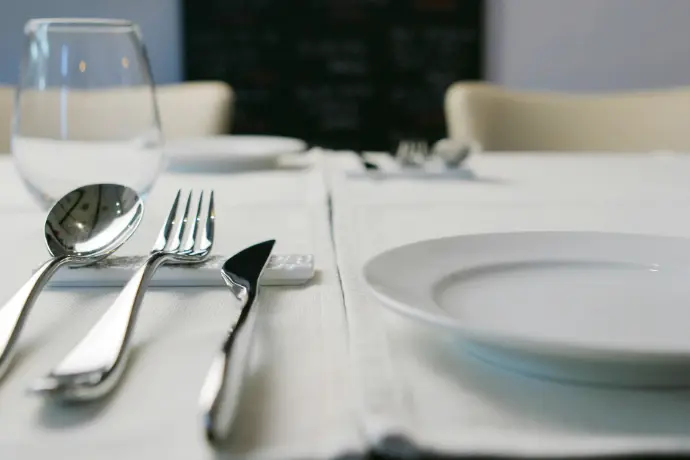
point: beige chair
(505, 120)
(186, 110)
(195, 109)
(6, 103)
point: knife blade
(220, 393)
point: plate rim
(543, 347)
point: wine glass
(85, 108)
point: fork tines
(186, 234)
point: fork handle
(96, 364)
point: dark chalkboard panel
(338, 73)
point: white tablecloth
(298, 401)
(329, 380)
(417, 389)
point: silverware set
(416, 153)
(96, 364)
(89, 224)
(83, 227)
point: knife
(221, 391)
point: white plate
(230, 153)
(588, 307)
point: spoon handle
(13, 314)
(95, 365)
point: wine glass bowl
(85, 108)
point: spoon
(83, 227)
(454, 153)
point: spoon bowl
(453, 153)
(83, 227)
(91, 222)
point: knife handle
(220, 394)
(96, 364)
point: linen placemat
(297, 402)
(418, 390)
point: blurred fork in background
(412, 152)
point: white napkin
(420, 392)
(298, 399)
(115, 271)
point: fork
(93, 368)
(412, 152)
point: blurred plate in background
(229, 153)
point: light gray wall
(588, 45)
(570, 45)
(159, 20)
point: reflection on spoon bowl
(91, 222)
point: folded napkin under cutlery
(281, 270)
